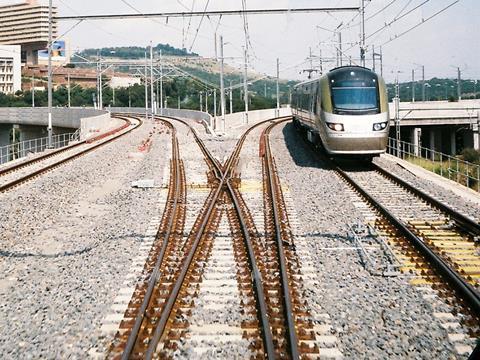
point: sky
(443, 43)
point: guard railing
(24, 148)
(451, 167)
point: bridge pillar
(453, 143)
(432, 145)
(5, 130)
(476, 133)
(415, 139)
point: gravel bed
(114, 123)
(373, 317)
(196, 170)
(67, 239)
(218, 307)
(221, 146)
(464, 206)
(395, 198)
(24, 171)
(250, 168)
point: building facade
(10, 69)
(26, 24)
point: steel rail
(188, 14)
(287, 300)
(18, 166)
(13, 183)
(214, 163)
(22, 164)
(466, 291)
(463, 221)
(164, 317)
(168, 307)
(132, 338)
(256, 278)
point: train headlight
(335, 127)
(379, 126)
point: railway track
(434, 243)
(279, 238)
(19, 173)
(223, 258)
(430, 245)
(450, 235)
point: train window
(354, 91)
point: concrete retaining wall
(61, 117)
(95, 124)
(257, 115)
(33, 121)
(205, 118)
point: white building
(123, 81)
(26, 24)
(10, 69)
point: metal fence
(23, 148)
(451, 167)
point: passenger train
(345, 110)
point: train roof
(306, 82)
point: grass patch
(443, 169)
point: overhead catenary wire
(69, 29)
(381, 10)
(245, 27)
(422, 22)
(189, 24)
(404, 7)
(92, 23)
(156, 20)
(387, 25)
(395, 19)
(202, 13)
(199, 25)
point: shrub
(471, 155)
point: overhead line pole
(222, 87)
(151, 81)
(161, 84)
(231, 97)
(49, 126)
(423, 83)
(245, 86)
(362, 34)
(157, 95)
(100, 87)
(33, 89)
(278, 88)
(68, 93)
(459, 86)
(206, 101)
(321, 62)
(146, 88)
(413, 85)
(98, 82)
(208, 13)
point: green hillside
(134, 52)
(436, 89)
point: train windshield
(354, 91)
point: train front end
(354, 119)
